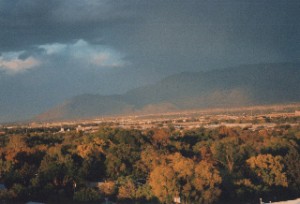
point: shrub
(86, 195)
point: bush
(86, 195)
(7, 195)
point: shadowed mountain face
(233, 87)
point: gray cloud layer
(131, 43)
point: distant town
(255, 117)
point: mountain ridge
(244, 85)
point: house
(62, 130)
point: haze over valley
(247, 85)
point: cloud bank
(81, 52)
(11, 63)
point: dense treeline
(199, 165)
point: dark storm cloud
(184, 25)
(51, 50)
(32, 22)
(177, 35)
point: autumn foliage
(199, 165)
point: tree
(292, 162)
(127, 190)
(269, 169)
(194, 182)
(161, 137)
(86, 195)
(207, 181)
(5, 167)
(55, 176)
(120, 160)
(163, 183)
(93, 168)
(144, 192)
(229, 152)
(108, 188)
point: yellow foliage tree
(163, 183)
(207, 179)
(161, 137)
(269, 168)
(127, 190)
(182, 166)
(108, 188)
(181, 176)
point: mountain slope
(85, 106)
(232, 87)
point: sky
(56, 49)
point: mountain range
(245, 85)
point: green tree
(229, 152)
(292, 162)
(86, 195)
(120, 160)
